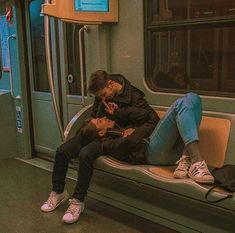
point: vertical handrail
(81, 58)
(49, 70)
(10, 73)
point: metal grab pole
(81, 57)
(49, 70)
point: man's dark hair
(98, 80)
(88, 132)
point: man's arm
(136, 116)
(138, 100)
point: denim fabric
(176, 129)
(67, 151)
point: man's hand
(127, 132)
(110, 107)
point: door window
(38, 46)
(74, 79)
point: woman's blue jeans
(176, 129)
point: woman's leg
(178, 128)
(64, 154)
(87, 156)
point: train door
(67, 59)
(10, 96)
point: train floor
(25, 187)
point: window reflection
(195, 54)
(172, 10)
(200, 59)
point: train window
(194, 49)
(171, 10)
(38, 46)
(72, 36)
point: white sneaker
(184, 163)
(73, 212)
(54, 200)
(199, 172)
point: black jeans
(72, 149)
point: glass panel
(228, 35)
(38, 46)
(72, 35)
(172, 10)
(204, 52)
(169, 59)
(228, 59)
(95, 5)
(212, 8)
(199, 59)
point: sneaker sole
(180, 176)
(201, 181)
(66, 197)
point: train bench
(152, 192)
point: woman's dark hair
(98, 80)
(88, 132)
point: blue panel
(4, 33)
(94, 5)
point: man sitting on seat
(174, 135)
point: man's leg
(87, 156)
(64, 153)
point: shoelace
(73, 207)
(183, 162)
(51, 199)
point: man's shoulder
(136, 91)
(119, 78)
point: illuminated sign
(94, 5)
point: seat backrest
(213, 139)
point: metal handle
(81, 57)
(50, 79)
(10, 73)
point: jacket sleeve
(138, 100)
(97, 108)
(136, 116)
(122, 146)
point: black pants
(87, 155)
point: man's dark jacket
(129, 97)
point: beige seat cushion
(214, 135)
(213, 139)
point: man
(114, 96)
(175, 134)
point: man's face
(106, 93)
(102, 124)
